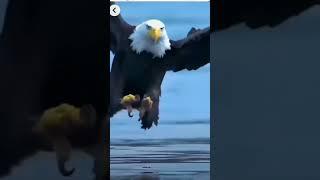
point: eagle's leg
(149, 114)
(58, 123)
(146, 105)
(149, 109)
(128, 101)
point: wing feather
(191, 52)
(119, 32)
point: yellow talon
(146, 105)
(128, 99)
(59, 118)
(127, 102)
(57, 123)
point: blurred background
(3, 6)
(42, 165)
(267, 100)
(180, 143)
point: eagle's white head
(150, 36)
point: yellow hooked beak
(155, 34)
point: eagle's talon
(127, 101)
(57, 123)
(146, 106)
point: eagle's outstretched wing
(256, 14)
(189, 53)
(119, 32)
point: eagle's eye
(148, 27)
(162, 28)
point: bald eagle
(143, 55)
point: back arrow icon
(114, 10)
